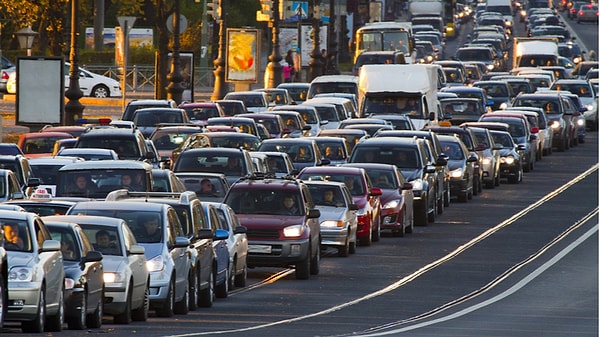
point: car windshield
(400, 156)
(383, 179)
(265, 201)
(151, 118)
(125, 147)
(104, 239)
(169, 141)
(98, 183)
(250, 101)
(581, 90)
(352, 181)
(46, 173)
(325, 195)
(494, 90)
(145, 225)
(204, 186)
(226, 163)
(503, 139)
(202, 113)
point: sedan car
(588, 12)
(147, 119)
(126, 279)
(461, 165)
(36, 281)
(84, 272)
(511, 162)
(37, 144)
(339, 222)
(363, 193)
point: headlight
(155, 264)
(458, 173)
(293, 231)
(508, 23)
(580, 122)
(113, 277)
(486, 161)
(361, 211)
(417, 184)
(503, 106)
(576, 59)
(490, 66)
(523, 13)
(508, 160)
(20, 274)
(69, 283)
(332, 224)
(555, 125)
(590, 107)
(429, 58)
(392, 204)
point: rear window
(125, 147)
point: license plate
(262, 249)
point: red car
(38, 144)
(364, 194)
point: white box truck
(409, 89)
(535, 51)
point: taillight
(4, 75)
(580, 13)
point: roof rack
(184, 197)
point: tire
(240, 279)
(368, 240)
(463, 197)
(168, 307)
(421, 216)
(303, 269)
(431, 216)
(55, 322)
(100, 91)
(222, 290)
(125, 316)
(78, 322)
(315, 261)
(409, 229)
(3, 301)
(141, 314)
(94, 320)
(39, 322)
(183, 306)
(377, 233)
(352, 247)
(193, 290)
(207, 295)
(344, 249)
(562, 146)
(447, 197)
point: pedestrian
(287, 73)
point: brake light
(4, 75)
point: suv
(145, 103)
(20, 166)
(127, 143)
(165, 245)
(410, 155)
(278, 236)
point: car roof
(107, 164)
(119, 205)
(88, 219)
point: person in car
(151, 229)
(303, 155)
(206, 187)
(329, 198)
(233, 166)
(470, 110)
(127, 182)
(12, 240)
(103, 244)
(81, 186)
(289, 205)
(66, 248)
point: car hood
(331, 212)
(389, 195)
(411, 174)
(268, 221)
(152, 249)
(360, 200)
(455, 164)
(113, 263)
(19, 258)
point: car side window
(174, 226)
(41, 231)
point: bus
(386, 36)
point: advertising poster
(242, 55)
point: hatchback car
(148, 119)
(282, 222)
(234, 163)
(588, 12)
(511, 164)
(460, 163)
(126, 278)
(84, 272)
(36, 281)
(156, 227)
(338, 215)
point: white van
(333, 84)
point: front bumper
(160, 282)
(458, 186)
(115, 298)
(23, 300)
(390, 218)
(334, 237)
(267, 253)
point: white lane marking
(414, 275)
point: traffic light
(266, 7)
(213, 9)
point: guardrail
(143, 77)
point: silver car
(339, 221)
(126, 279)
(156, 227)
(36, 273)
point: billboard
(138, 37)
(242, 55)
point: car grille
(262, 234)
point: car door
(95, 273)
(178, 254)
(51, 263)
(220, 246)
(136, 262)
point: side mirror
(205, 233)
(51, 246)
(313, 214)
(375, 191)
(137, 250)
(221, 234)
(407, 186)
(472, 158)
(325, 162)
(240, 230)
(181, 242)
(353, 207)
(92, 256)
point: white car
(91, 84)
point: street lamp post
(332, 51)
(175, 78)
(26, 36)
(274, 68)
(315, 65)
(220, 90)
(73, 108)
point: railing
(143, 77)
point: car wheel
(222, 289)
(463, 197)
(315, 262)
(421, 216)
(193, 289)
(240, 279)
(3, 301)
(55, 322)
(447, 196)
(141, 314)
(183, 306)
(232, 273)
(167, 309)
(94, 320)
(100, 91)
(431, 215)
(377, 232)
(38, 323)
(476, 185)
(411, 224)
(303, 268)
(366, 241)
(344, 249)
(125, 316)
(352, 248)
(207, 295)
(77, 322)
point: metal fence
(142, 78)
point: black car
(84, 279)
(127, 143)
(460, 163)
(511, 166)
